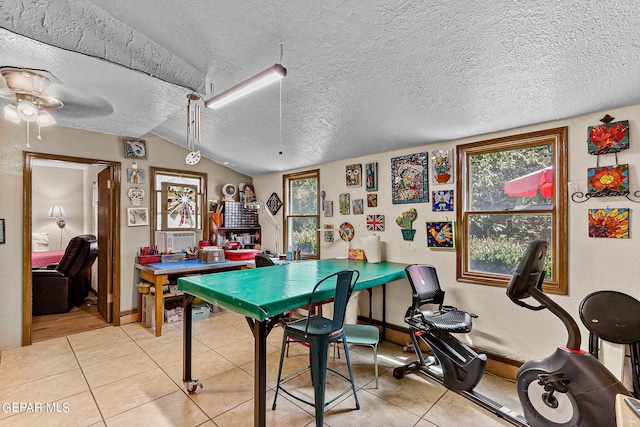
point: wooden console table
(157, 275)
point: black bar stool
(615, 317)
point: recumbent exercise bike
(568, 388)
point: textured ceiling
(363, 77)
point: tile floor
(125, 376)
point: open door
(105, 239)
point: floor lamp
(57, 212)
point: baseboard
(496, 364)
(130, 316)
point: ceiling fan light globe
(11, 113)
(45, 118)
(27, 111)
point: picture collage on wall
(609, 137)
(136, 149)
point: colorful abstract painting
(328, 233)
(608, 137)
(375, 222)
(328, 208)
(409, 178)
(442, 166)
(354, 175)
(372, 200)
(608, 181)
(358, 207)
(610, 223)
(440, 234)
(371, 171)
(442, 200)
(345, 201)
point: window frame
(558, 283)
(286, 182)
(202, 201)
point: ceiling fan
(27, 89)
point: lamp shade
(11, 113)
(56, 211)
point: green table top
(260, 293)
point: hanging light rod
(263, 78)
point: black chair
(60, 287)
(319, 332)
(615, 317)
(263, 260)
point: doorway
(97, 213)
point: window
(177, 200)
(302, 213)
(511, 192)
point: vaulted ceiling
(363, 77)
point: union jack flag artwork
(375, 222)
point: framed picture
(328, 233)
(371, 171)
(442, 166)
(442, 200)
(409, 178)
(609, 223)
(135, 148)
(137, 216)
(358, 207)
(181, 206)
(211, 206)
(328, 208)
(608, 137)
(345, 201)
(354, 175)
(372, 200)
(607, 181)
(2, 240)
(375, 222)
(274, 204)
(135, 176)
(440, 234)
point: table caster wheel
(192, 386)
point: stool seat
(367, 335)
(612, 316)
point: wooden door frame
(28, 158)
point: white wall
(502, 327)
(77, 143)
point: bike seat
(612, 316)
(451, 321)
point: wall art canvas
(440, 234)
(608, 181)
(358, 206)
(610, 223)
(137, 216)
(135, 176)
(354, 175)
(375, 222)
(608, 137)
(442, 200)
(328, 208)
(135, 148)
(372, 200)
(328, 233)
(442, 166)
(345, 201)
(274, 203)
(409, 178)
(371, 176)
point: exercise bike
(568, 388)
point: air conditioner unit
(176, 241)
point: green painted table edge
(261, 293)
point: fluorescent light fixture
(263, 78)
(11, 113)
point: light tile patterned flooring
(125, 376)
